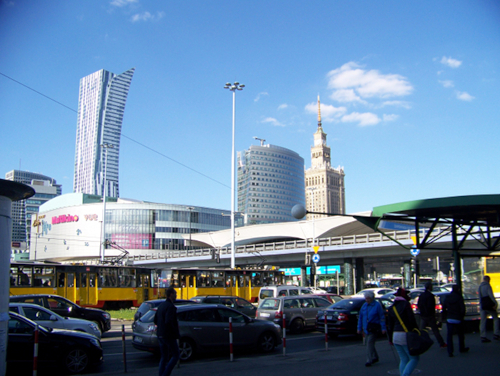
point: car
(66, 308)
(412, 293)
(205, 328)
(68, 350)
(378, 291)
(300, 311)
(342, 317)
(239, 304)
(150, 304)
(332, 298)
(49, 319)
(273, 291)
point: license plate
(264, 315)
(329, 317)
(138, 339)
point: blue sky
(409, 91)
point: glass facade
(270, 183)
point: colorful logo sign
(64, 219)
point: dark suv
(66, 308)
(239, 304)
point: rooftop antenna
(261, 140)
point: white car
(378, 291)
(49, 319)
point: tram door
(88, 289)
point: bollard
(230, 339)
(35, 352)
(326, 334)
(284, 335)
(124, 351)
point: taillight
(342, 317)
(439, 307)
(414, 307)
(257, 313)
(278, 315)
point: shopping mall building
(70, 227)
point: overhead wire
(129, 138)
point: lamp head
(299, 211)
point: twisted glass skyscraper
(101, 105)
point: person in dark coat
(168, 333)
(454, 312)
(397, 333)
(427, 308)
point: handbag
(487, 304)
(418, 341)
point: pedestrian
(454, 313)
(488, 307)
(371, 322)
(168, 333)
(427, 309)
(397, 334)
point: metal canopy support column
(360, 274)
(406, 274)
(456, 255)
(348, 282)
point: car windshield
(348, 304)
(148, 316)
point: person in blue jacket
(371, 323)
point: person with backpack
(489, 306)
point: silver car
(43, 316)
(205, 327)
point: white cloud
(402, 104)
(452, 63)
(390, 117)
(447, 83)
(346, 95)
(122, 3)
(282, 106)
(363, 119)
(328, 112)
(367, 83)
(260, 95)
(146, 16)
(273, 121)
(464, 96)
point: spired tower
(325, 190)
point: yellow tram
(245, 283)
(102, 286)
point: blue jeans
(407, 362)
(169, 355)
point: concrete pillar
(303, 276)
(348, 274)
(407, 274)
(9, 191)
(360, 274)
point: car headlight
(94, 327)
(277, 326)
(151, 328)
(95, 342)
(106, 315)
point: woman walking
(397, 333)
(371, 322)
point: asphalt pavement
(482, 358)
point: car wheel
(76, 360)
(186, 349)
(267, 342)
(297, 326)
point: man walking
(454, 311)
(427, 308)
(489, 306)
(168, 333)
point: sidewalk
(347, 361)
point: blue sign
(414, 251)
(332, 269)
(315, 258)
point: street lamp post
(233, 88)
(106, 146)
(312, 189)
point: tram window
(71, 280)
(146, 280)
(107, 277)
(203, 279)
(83, 280)
(256, 279)
(126, 277)
(92, 280)
(493, 265)
(242, 281)
(43, 277)
(61, 280)
(175, 279)
(24, 276)
(218, 279)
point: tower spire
(319, 113)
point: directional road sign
(315, 258)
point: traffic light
(413, 265)
(313, 268)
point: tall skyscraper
(270, 183)
(45, 187)
(325, 190)
(101, 105)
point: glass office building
(270, 183)
(101, 105)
